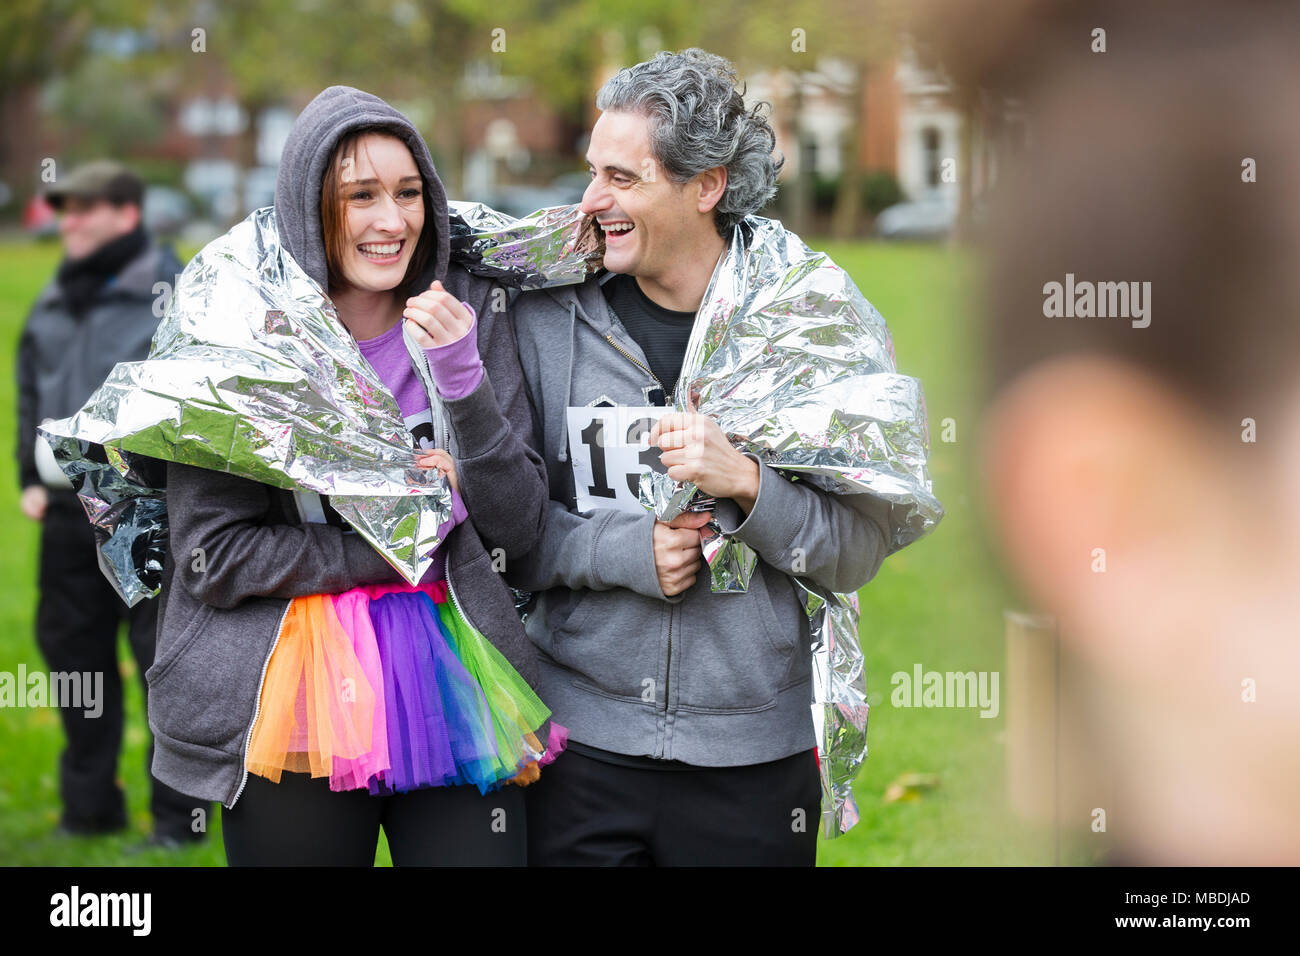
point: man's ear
(712, 184)
(1102, 489)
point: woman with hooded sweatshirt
(299, 679)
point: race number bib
(610, 449)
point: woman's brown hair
(333, 203)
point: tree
(980, 72)
(861, 33)
(39, 39)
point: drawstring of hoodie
(563, 454)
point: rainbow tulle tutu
(389, 688)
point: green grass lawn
(937, 603)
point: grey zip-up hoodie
(220, 617)
(708, 679)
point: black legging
(301, 822)
(76, 629)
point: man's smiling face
(630, 189)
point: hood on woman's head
(333, 114)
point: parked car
(572, 185)
(520, 201)
(166, 211)
(918, 219)
(259, 187)
(39, 218)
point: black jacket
(63, 359)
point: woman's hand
(437, 317)
(440, 459)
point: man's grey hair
(698, 121)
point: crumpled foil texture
(252, 373)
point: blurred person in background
(1170, 440)
(98, 310)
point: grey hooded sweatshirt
(708, 679)
(220, 618)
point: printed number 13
(593, 436)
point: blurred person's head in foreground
(1169, 434)
(96, 203)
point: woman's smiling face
(383, 202)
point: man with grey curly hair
(699, 122)
(691, 733)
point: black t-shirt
(661, 333)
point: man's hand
(437, 317)
(696, 450)
(440, 459)
(35, 499)
(677, 550)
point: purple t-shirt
(457, 371)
